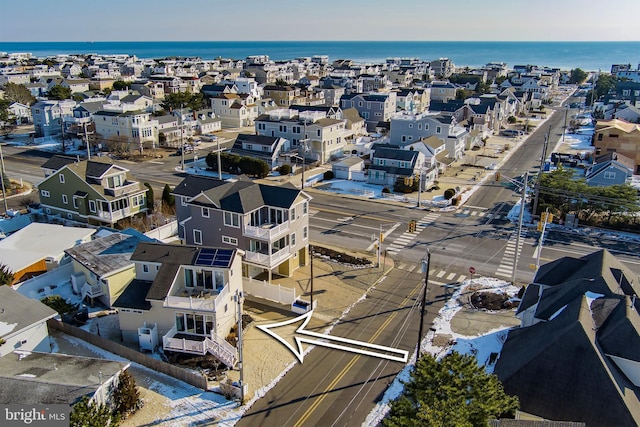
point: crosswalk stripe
(440, 274)
(474, 213)
(505, 274)
(451, 276)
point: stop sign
(472, 270)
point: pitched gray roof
(18, 312)
(57, 161)
(171, 257)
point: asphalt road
(338, 388)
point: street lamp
(426, 262)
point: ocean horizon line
(319, 41)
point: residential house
(620, 137)
(234, 110)
(24, 258)
(170, 84)
(576, 354)
(186, 295)
(331, 93)
(443, 91)
(374, 108)
(267, 148)
(24, 323)
(390, 163)
(34, 378)
(219, 89)
(355, 126)
(374, 83)
(94, 191)
(442, 67)
(318, 137)
(407, 128)
(102, 267)
(133, 130)
(48, 116)
(76, 85)
(270, 224)
(283, 96)
(21, 113)
(610, 169)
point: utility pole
(419, 188)
(181, 138)
(311, 274)
(219, 161)
(566, 111)
(522, 201)
(86, 141)
(542, 160)
(426, 263)
(4, 190)
(240, 366)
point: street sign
(472, 270)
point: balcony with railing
(128, 187)
(91, 291)
(114, 215)
(267, 259)
(199, 344)
(197, 298)
(269, 231)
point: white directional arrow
(353, 346)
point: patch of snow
(26, 375)
(6, 328)
(481, 347)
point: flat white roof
(38, 241)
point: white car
(491, 167)
(208, 137)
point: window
(599, 137)
(304, 233)
(613, 135)
(293, 239)
(304, 208)
(230, 240)
(609, 175)
(70, 215)
(438, 129)
(205, 212)
(75, 202)
(45, 193)
(92, 205)
(145, 268)
(65, 199)
(319, 132)
(197, 237)
(61, 176)
(232, 219)
(183, 201)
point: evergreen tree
(150, 197)
(59, 93)
(453, 392)
(88, 414)
(167, 198)
(6, 276)
(126, 397)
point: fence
(262, 289)
(33, 287)
(177, 372)
(163, 232)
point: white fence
(262, 289)
(164, 232)
(29, 288)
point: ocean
(590, 56)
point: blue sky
(119, 20)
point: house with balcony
(94, 191)
(102, 267)
(234, 110)
(48, 116)
(374, 107)
(620, 137)
(183, 299)
(269, 224)
(267, 148)
(135, 129)
(318, 137)
(283, 96)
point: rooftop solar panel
(211, 257)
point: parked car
(512, 133)
(208, 137)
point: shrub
(126, 396)
(58, 304)
(386, 190)
(328, 175)
(449, 193)
(284, 169)
(511, 120)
